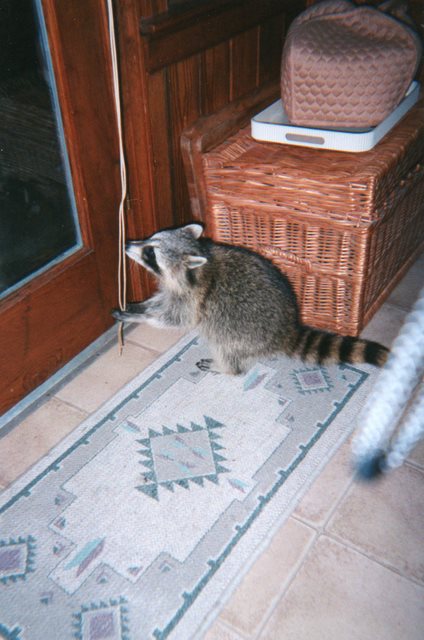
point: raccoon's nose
(133, 250)
(133, 243)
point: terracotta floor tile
(104, 376)
(417, 455)
(34, 436)
(385, 519)
(385, 325)
(219, 632)
(406, 292)
(339, 594)
(261, 586)
(153, 338)
(317, 504)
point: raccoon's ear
(195, 229)
(193, 262)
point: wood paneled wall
(178, 62)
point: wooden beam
(173, 36)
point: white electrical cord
(389, 429)
(122, 278)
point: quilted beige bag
(346, 66)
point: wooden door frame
(50, 319)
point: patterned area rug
(140, 524)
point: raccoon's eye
(149, 254)
(149, 258)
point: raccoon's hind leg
(211, 365)
(224, 362)
(206, 364)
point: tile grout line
(235, 633)
(85, 410)
(321, 528)
(88, 412)
(72, 406)
(417, 466)
(143, 346)
(48, 396)
(369, 556)
(287, 584)
(321, 532)
(318, 531)
(325, 531)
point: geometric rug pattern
(139, 524)
(181, 456)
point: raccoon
(237, 299)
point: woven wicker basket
(344, 227)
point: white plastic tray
(272, 125)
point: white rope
(411, 432)
(122, 278)
(382, 414)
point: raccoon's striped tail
(322, 347)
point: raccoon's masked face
(169, 254)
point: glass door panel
(38, 221)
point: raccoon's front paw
(124, 316)
(118, 314)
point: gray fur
(239, 301)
